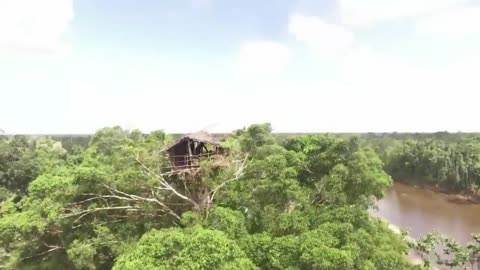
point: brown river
(422, 211)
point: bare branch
(52, 249)
(86, 212)
(149, 195)
(100, 197)
(164, 184)
(238, 174)
(138, 198)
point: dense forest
(448, 160)
(299, 202)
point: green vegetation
(435, 247)
(299, 204)
(448, 160)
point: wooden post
(189, 154)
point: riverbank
(421, 211)
(457, 197)
(413, 257)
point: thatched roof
(201, 136)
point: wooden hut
(189, 150)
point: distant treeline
(83, 139)
(450, 160)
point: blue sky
(73, 66)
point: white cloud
(365, 89)
(368, 12)
(264, 57)
(375, 91)
(33, 25)
(454, 22)
(381, 92)
(318, 35)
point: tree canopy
(296, 204)
(443, 159)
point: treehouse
(187, 153)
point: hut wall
(179, 154)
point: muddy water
(422, 211)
